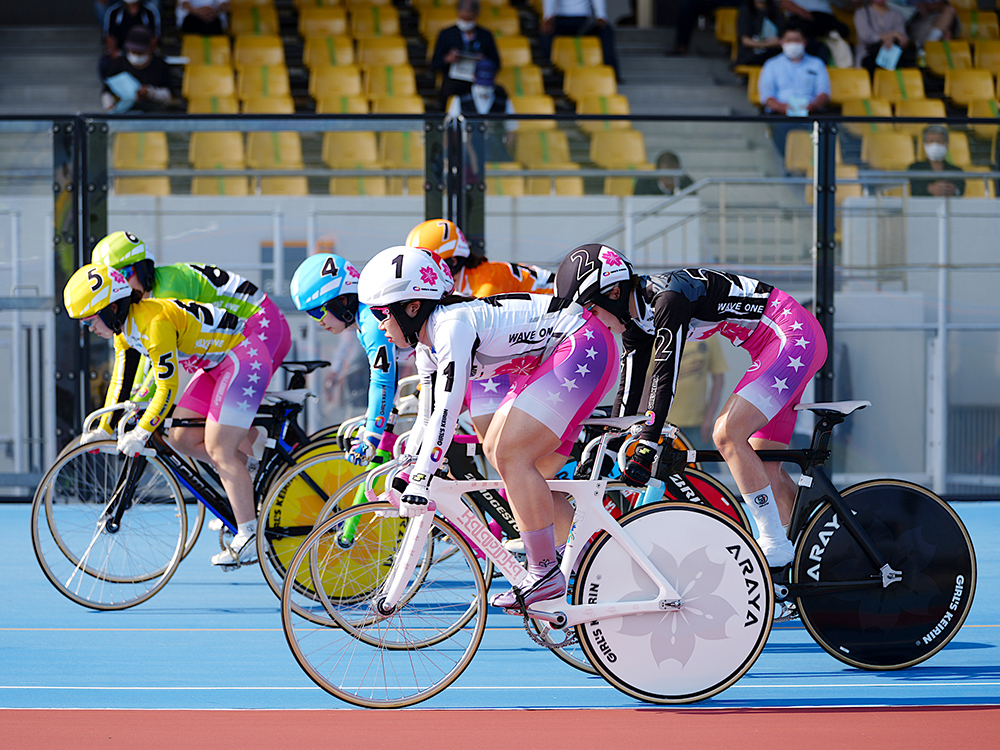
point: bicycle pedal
(786, 611)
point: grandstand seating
(576, 52)
(274, 150)
(322, 21)
(206, 50)
(844, 189)
(799, 152)
(390, 80)
(220, 186)
(598, 80)
(512, 186)
(384, 50)
(143, 150)
(958, 149)
(335, 104)
(502, 20)
(208, 80)
(319, 51)
(866, 108)
(987, 109)
(535, 148)
(284, 186)
(523, 80)
(343, 80)
(534, 105)
(624, 185)
(514, 50)
(142, 186)
(213, 105)
(403, 150)
(374, 20)
(981, 188)
(350, 149)
(611, 148)
(923, 108)
(253, 81)
(847, 84)
(888, 152)
(217, 150)
(725, 29)
(964, 86)
(603, 105)
(977, 24)
(545, 185)
(398, 105)
(269, 105)
(946, 55)
(253, 20)
(899, 84)
(987, 55)
(258, 50)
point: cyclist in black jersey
(660, 313)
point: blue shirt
(382, 360)
(782, 79)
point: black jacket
(451, 38)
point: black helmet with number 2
(589, 272)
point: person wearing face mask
(793, 83)
(880, 26)
(465, 39)
(148, 69)
(936, 149)
(487, 97)
(119, 18)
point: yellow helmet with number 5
(439, 236)
(92, 289)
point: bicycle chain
(571, 640)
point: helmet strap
(617, 307)
(410, 326)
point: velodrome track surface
(212, 641)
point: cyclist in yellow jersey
(197, 337)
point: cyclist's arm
(382, 360)
(163, 355)
(672, 316)
(122, 375)
(425, 400)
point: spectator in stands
(465, 38)
(578, 18)
(817, 21)
(758, 28)
(663, 185)
(936, 149)
(486, 96)
(879, 26)
(928, 20)
(205, 17)
(687, 18)
(118, 19)
(793, 83)
(149, 70)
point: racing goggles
(338, 310)
(380, 313)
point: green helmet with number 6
(127, 253)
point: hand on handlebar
(363, 450)
(133, 443)
(640, 467)
(415, 500)
(98, 433)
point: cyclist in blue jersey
(325, 287)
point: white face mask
(135, 59)
(793, 50)
(481, 92)
(935, 151)
(465, 25)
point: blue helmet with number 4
(320, 282)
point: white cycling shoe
(779, 552)
(216, 524)
(242, 551)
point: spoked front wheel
(895, 626)
(691, 652)
(385, 659)
(88, 555)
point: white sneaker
(779, 552)
(242, 551)
(216, 524)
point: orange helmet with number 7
(439, 236)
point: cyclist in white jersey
(562, 361)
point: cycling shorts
(484, 396)
(788, 347)
(230, 392)
(564, 389)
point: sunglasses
(338, 310)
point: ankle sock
(540, 548)
(764, 510)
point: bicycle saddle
(297, 396)
(306, 366)
(617, 423)
(837, 407)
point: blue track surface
(213, 640)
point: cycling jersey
(697, 303)
(382, 360)
(490, 278)
(475, 340)
(172, 334)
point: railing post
(434, 165)
(824, 215)
(937, 438)
(473, 196)
(278, 254)
(17, 362)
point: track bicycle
(671, 605)
(110, 531)
(884, 571)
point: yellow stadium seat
(398, 105)
(595, 81)
(988, 55)
(511, 186)
(867, 108)
(986, 109)
(522, 80)
(254, 20)
(213, 105)
(216, 150)
(514, 50)
(300, 4)
(849, 83)
(254, 81)
(545, 185)
(258, 50)
(274, 150)
(725, 28)
(358, 185)
(979, 188)
(322, 21)
(536, 148)
(623, 185)
(220, 186)
(423, 6)
(964, 4)
(495, 2)
(798, 151)
(383, 50)
(208, 80)
(320, 51)
(898, 85)
(403, 150)
(352, 4)
(534, 105)
(284, 186)
(844, 189)
(142, 186)
(603, 105)
(945, 55)
(923, 108)
(343, 80)
(374, 20)
(342, 105)
(978, 24)
(502, 20)
(888, 152)
(958, 149)
(611, 147)
(390, 80)
(432, 20)
(348, 149)
(140, 151)
(964, 86)
(206, 50)
(269, 105)
(248, 3)
(576, 52)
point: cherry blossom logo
(193, 364)
(610, 258)
(116, 276)
(353, 272)
(674, 634)
(428, 275)
(519, 366)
